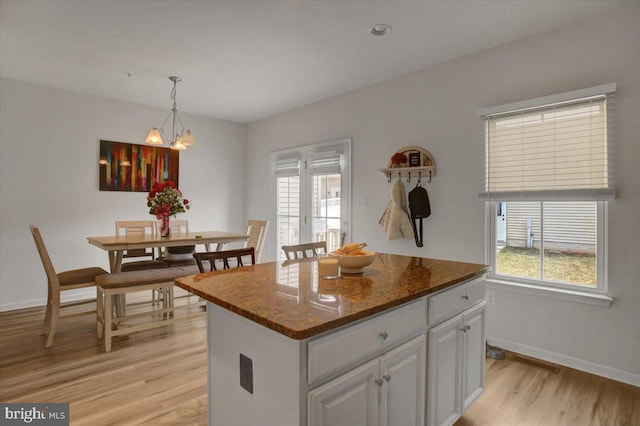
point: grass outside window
(560, 267)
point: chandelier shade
(179, 137)
(154, 138)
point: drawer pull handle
(378, 382)
(384, 335)
(465, 297)
(387, 378)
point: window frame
(574, 292)
(601, 254)
(305, 154)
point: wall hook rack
(419, 160)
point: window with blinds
(286, 167)
(312, 194)
(558, 150)
(548, 173)
(325, 163)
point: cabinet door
(349, 400)
(474, 355)
(403, 373)
(444, 373)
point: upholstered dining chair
(209, 258)
(302, 251)
(59, 282)
(141, 228)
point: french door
(312, 194)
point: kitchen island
(286, 347)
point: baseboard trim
(567, 361)
(65, 296)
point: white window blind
(325, 163)
(558, 150)
(286, 167)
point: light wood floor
(159, 377)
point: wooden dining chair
(178, 255)
(224, 257)
(141, 228)
(303, 251)
(59, 282)
(138, 228)
(257, 231)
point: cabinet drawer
(450, 302)
(352, 344)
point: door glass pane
(325, 210)
(570, 237)
(288, 212)
(518, 239)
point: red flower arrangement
(399, 158)
(166, 200)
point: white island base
(377, 371)
(277, 396)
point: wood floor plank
(522, 391)
(159, 377)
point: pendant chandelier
(180, 138)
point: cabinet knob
(465, 297)
(378, 382)
(384, 335)
(387, 378)
(465, 328)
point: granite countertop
(290, 298)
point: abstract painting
(135, 168)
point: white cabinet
(403, 391)
(445, 354)
(387, 391)
(455, 365)
(473, 357)
(382, 370)
(351, 399)
(350, 346)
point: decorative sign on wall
(135, 168)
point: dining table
(115, 246)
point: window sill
(554, 293)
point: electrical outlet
(491, 298)
(246, 373)
(361, 203)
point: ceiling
(246, 60)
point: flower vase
(163, 226)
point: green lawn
(574, 268)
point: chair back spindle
(303, 251)
(224, 255)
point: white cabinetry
(455, 365)
(386, 391)
(381, 370)
(403, 391)
(473, 349)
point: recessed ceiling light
(380, 29)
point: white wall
(436, 109)
(49, 144)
